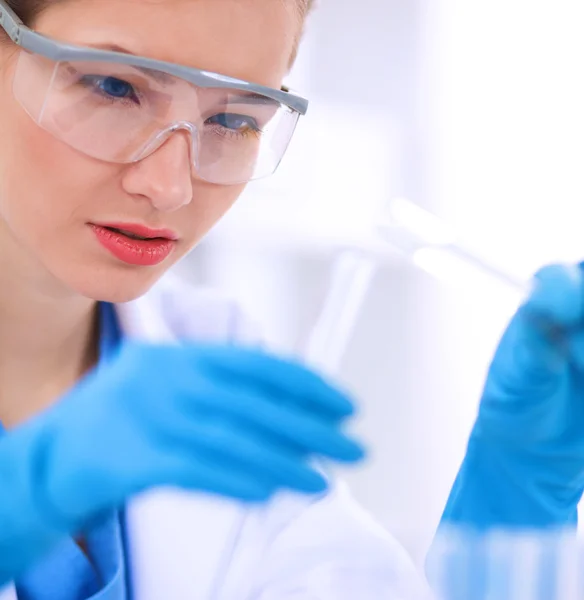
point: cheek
(43, 183)
(34, 197)
(24, 176)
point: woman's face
(50, 194)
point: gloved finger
(557, 296)
(576, 348)
(262, 415)
(215, 442)
(524, 381)
(172, 469)
(534, 349)
(287, 379)
(526, 365)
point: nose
(165, 176)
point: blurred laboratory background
(472, 110)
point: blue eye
(117, 88)
(110, 88)
(234, 122)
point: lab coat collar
(177, 540)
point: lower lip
(144, 253)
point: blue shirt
(67, 573)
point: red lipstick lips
(135, 244)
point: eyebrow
(165, 78)
(160, 76)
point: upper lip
(141, 230)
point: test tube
(352, 273)
(351, 278)
(432, 246)
(418, 236)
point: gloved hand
(524, 466)
(523, 472)
(222, 420)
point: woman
(134, 426)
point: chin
(116, 285)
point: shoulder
(203, 313)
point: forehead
(246, 39)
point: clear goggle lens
(122, 113)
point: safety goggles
(120, 108)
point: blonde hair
(304, 8)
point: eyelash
(252, 130)
(92, 82)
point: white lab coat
(188, 546)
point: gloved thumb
(530, 367)
(557, 297)
(537, 345)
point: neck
(48, 340)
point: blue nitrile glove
(524, 466)
(216, 419)
(523, 473)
